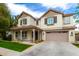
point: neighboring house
(52, 26)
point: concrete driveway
(51, 48)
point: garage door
(57, 36)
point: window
(67, 20)
(23, 21)
(24, 35)
(50, 20)
(17, 35)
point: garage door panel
(57, 36)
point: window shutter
(25, 21)
(20, 22)
(46, 21)
(37, 22)
(55, 19)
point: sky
(38, 9)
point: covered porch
(27, 34)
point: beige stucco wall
(71, 38)
(43, 35)
(59, 24)
(55, 26)
(30, 21)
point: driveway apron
(50, 48)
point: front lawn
(14, 46)
(77, 45)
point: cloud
(64, 6)
(17, 9)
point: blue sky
(38, 9)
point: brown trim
(56, 31)
(69, 27)
(67, 15)
(26, 14)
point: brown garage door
(57, 36)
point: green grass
(77, 45)
(14, 46)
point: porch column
(20, 34)
(13, 36)
(33, 35)
(40, 36)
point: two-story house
(52, 26)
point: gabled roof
(52, 11)
(64, 15)
(25, 14)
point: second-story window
(23, 21)
(67, 20)
(50, 20)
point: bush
(9, 38)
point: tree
(77, 21)
(5, 19)
(77, 13)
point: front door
(36, 35)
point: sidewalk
(8, 52)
